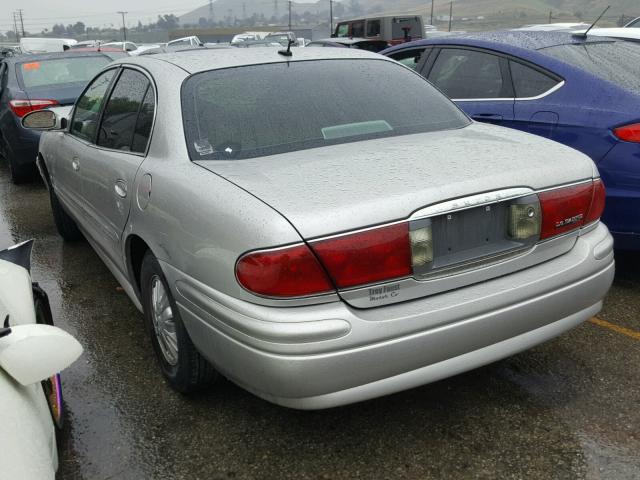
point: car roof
(351, 40)
(529, 40)
(203, 59)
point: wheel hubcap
(163, 322)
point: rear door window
(529, 82)
(469, 74)
(145, 122)
(87, 110)
(121, 112)
(373, 28)
(357, 29)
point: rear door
(109, 170)
(535, 109)
(477, 80)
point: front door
(74, 146)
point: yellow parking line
(616, 328)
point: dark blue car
(584, 93)
(32, 82)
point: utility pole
(124, 26)
(290, 2)
(15, 27)
(21, 21)
(432, 2)
(450, 14)
(330, 18)
(550, 15)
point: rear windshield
(252, 111)
(409, 25)
(59, 71)
(617, 62)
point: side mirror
(40, 120)
(32, 353)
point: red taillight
(568, 208)
(628, 133)
(598, 202)
(367, 257)
(22, 107)
(284, 272)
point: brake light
(566, 209)
(22, 107)
(597, 203)
(366, 257)
(283, 272)
(628, 133)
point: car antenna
(287, 52)
(584, 35)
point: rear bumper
(327, 355)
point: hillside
(496, 13)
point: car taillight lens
(628, 133)
(568, 208)
(284, 272)
(366, 257)
(597, 203)
(22, 107)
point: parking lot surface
(567, 409)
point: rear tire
(182, 365)
(19, 173)
(67, 227)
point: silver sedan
(322, 228)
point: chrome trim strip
(553, 89)
(473, 201)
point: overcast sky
(39, 14)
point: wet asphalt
(567, 409)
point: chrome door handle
(121, 188)
(75, 164)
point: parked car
(45, 45)
(584, 93)
(323, 244)
(32, 82)
(282, 38)
(631, 34)
(392, 29)
(32, 353)
(635, 23)
(554, 27)
(192, 41)
(124, 46)
(360, 43)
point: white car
(623, 33)
(192, 41)
(553, 27)
(32, 352)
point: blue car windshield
(259, 110)
(615, 61)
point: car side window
(373, 28)
(357, 29)
(121, 112)
(343, 30)
(529, 82)
(411, 58)
(87, 110)
(468, 74)
(144, 123)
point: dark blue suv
(583, 92)
(32, 82)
